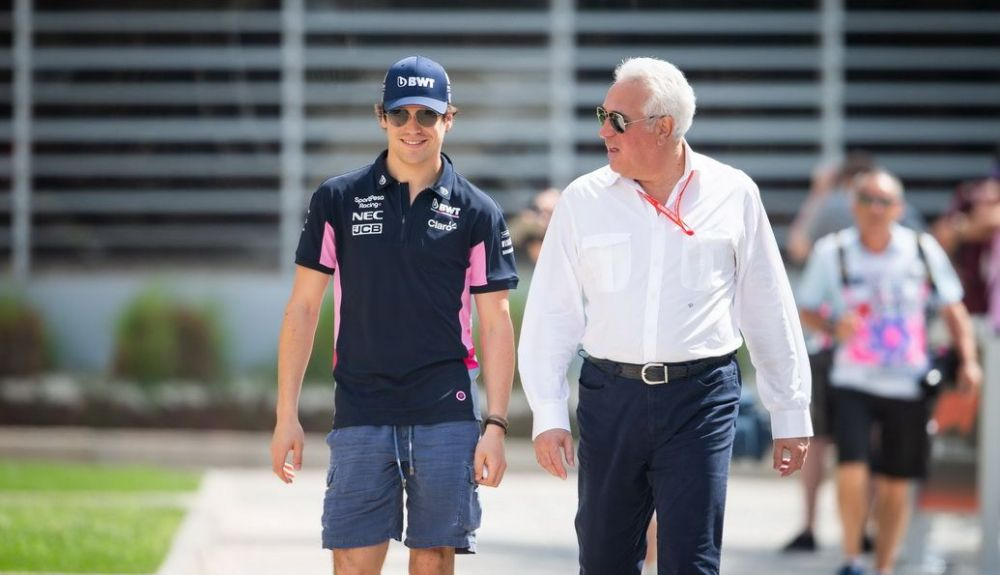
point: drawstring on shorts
(399, 462)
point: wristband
(496, 420)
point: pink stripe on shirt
(328, 255)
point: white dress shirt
(630, 285)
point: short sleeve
(491, 258)
(318, 243)
(949, 287)
(820, 275)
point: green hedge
(159, 339)
(26, 349)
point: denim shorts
(370, 468)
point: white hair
(669, 91)
(883, 178)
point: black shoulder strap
(923, 260)
(841, 258)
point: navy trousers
(665, 447)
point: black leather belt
(654, 373)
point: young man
(661, 263)
(407, 240)
(878, 279)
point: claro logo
(415, 81)
(444, 227)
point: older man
(878, 279)
(661, 264)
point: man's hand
(552, 447)
(490, 460)
(970, 377)
(790, 454)
(846, 326)
(288, 436)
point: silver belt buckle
(646, 380)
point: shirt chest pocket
(606, 261)
(707, 262)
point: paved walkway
(249, 523)
(243, 521)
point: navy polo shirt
(402, 279)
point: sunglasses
(870, 200)
(618, 121)
(400, 116)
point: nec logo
(367, 216)
(415, 81)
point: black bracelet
(496, 420)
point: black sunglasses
(400, 116)
(870, 200)
(618, 121)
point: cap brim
(436, 105)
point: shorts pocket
(606, 261)
(707, 262)
(473, 512)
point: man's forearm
(498, 364)
(815, 322)
(960, 327)
(294, 348)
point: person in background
(529, 226)
(968, 231)
(826, 210)
(878, 279)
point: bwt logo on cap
(416, 81)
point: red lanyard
(673, 215)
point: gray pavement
(253, 524)
(244, 521)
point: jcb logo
(366, 229)
(415, 81)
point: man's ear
(664, 130)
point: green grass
(83, 538)
(78, 518)
(46, 476)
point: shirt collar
(896, 238)
(443, 187)
(693, 162)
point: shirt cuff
(499, 285)
(791, 423)
(314, 266)
(549, 415)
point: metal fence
(151, 133)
